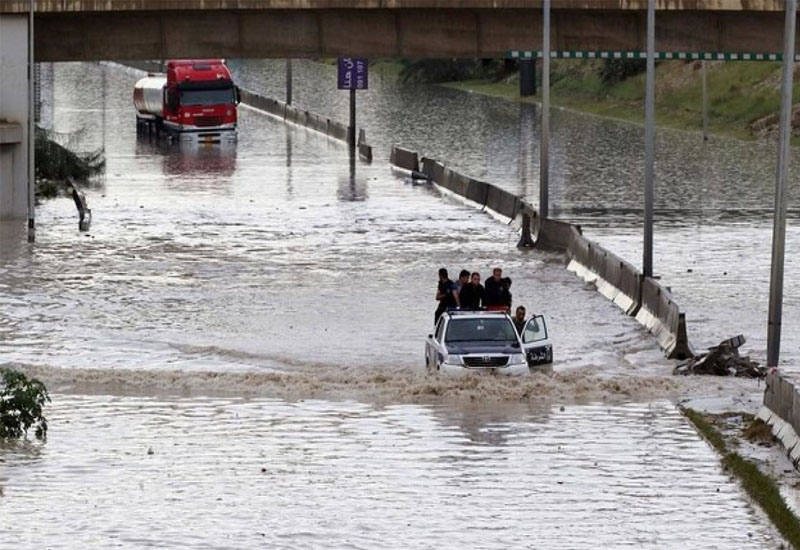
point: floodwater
(235, 354)
(232, 473)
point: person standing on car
(519, 320)
(497, 293)
(471, 293)
(446, 295)
(463, 279)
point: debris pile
(723, 360)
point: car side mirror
(430, 336)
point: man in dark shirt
(472, 293)
(463, 279)
(497, 293)
(519, 320)
(446, 295)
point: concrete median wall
(306, 119)
(781, 411)
(616, 279)
(405, 159)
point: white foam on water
(386, 384)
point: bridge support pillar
(527, 77)
(14, 110)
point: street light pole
(781, 178)
(649, 139)
(544, 138)
(31, 129)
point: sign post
(353, 74)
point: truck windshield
(481, 330)
(207, 97)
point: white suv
(485, 341)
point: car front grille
(485, 361)
(204, 121)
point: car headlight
(516, 359)
(452, 360)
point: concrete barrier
(405, 159)
(306, 119)
(503, 202)
(662, 317)
(364, 150)
(553, 234)
(616, 279)
(433, 169)
(781, 411)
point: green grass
(759, 486)
(739, 94)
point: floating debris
(723, 360)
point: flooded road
(256, 315)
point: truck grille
(207, 121)
(485, 361)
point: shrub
(22, 403)
(617, 70)
(429, 71)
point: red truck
(195, 99)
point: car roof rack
(474, 312)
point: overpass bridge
(84, 30)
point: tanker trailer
(195, 100)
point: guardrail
(619, 281)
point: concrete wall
(781, 411)
(14, 111)
(307, 119)
(172, 29)
(616, 279)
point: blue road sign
(353, 73)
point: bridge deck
(60, 6)
(84, 30)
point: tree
(22, 403)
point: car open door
(536, 341)
(433, 346)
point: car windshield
(207, 97)
(481, 330)
(535, 330)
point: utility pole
(781, 179)
(544, 138)
(649, 139)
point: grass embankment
(759, 486)
(740, 93)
